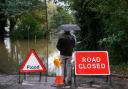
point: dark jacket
(65, 44)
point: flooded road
(13, 52)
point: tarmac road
(83, 82)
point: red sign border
(92, 74)
(26, 60)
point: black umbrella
(69, 27)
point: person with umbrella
(65, 45)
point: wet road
(11, 82)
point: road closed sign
(91, 63)
(32, 63)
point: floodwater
(14, 52)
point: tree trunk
(2, 25)
(2, 20)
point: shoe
(70, 82)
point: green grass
(121, 68)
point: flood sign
(32, 63)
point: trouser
(66, 67)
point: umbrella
(69, 27)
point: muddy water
(13, 53)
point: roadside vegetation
(104, 26)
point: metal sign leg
(64, 71)
(40, 77)
(110, 80)
(19, 78)
(107, 78)
(24, 76)
(74, 77)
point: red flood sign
(91, 63)
(32, 63)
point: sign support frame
(25, 71)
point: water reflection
(5, 55)
(14, 52)
(7, 44)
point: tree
(116, 30)
(12, 9)
(104, 23)
(89, 19)
(2, 19)
(34, 21)
(61, 17)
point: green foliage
(61, 17)
(120, 69)
(19, 7)
(115, 19)
(90, 22)
(111, 26)
(14, 9)
(116, 40)
(36, 21)
(28, 26)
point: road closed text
(91, 63)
